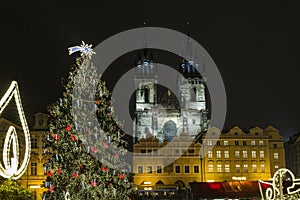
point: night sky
(256, 48)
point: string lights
(10, 168)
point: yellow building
(235, 155)
(34, 175)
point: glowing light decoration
(275, 189)
(85, 49)
(67, 196)
(10, 168)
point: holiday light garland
(274, 190)
(10, 169)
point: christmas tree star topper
(85, 49)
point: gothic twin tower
(157, 109)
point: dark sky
(255, 46)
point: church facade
(157, 110)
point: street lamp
(199, 138)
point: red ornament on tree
(104, 169)
(94, 149)
(105, 145)
(48, 173)
(56, 137)
(59, 171)
(68, 128)
(75, 175)
(73, 138)
(121, 176)
(51, 189)
(94, 183)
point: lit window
(219, 168)
(177, 169)
(238, 168)
(34, 143)
(196, 169)
(219, 154)
(276, 166)
(253, 154)
(237, 154)
(187, 169)
(149, 169)
(245, 168)
(254, 168)
(245, 154)
(261, 143)
(261, 154)
(226, 154)
(262, 168)
(252, 142)
(140, 170)
(227, 169)
(209, 143)
(210, 168)
(236, 143)
(209, 154)
(225, 143)
(33, 168)
(276, 156)
(158, 169)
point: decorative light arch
(10, 168)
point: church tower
(192, 93)
(146, 95)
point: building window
(196, 169)
(236, 143)
(244, 143)
(33, 168)
(219, 154)
(238, 168)
(254, 168)
(225, 143)
(226, 154)
(187, 169)
(176, 151)
(194, 121)
(34, 143)
(140, 170)
(261, 143)
(276, 166)
(218, 143)
(237, 154)
(209, 154)
(158, 169)
(177, 169)
(275, 146)
(262, 168)
(219, 168)
(210, 167)
(245, 154)
(209, 143)
(276, 156)
(227, 168)
(253, 143)
(253, 154)
(261, 154)
(245, 168)
(149, 169)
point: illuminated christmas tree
(85, 145)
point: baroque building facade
(292, 152)
(234, 156)
(34, 175)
